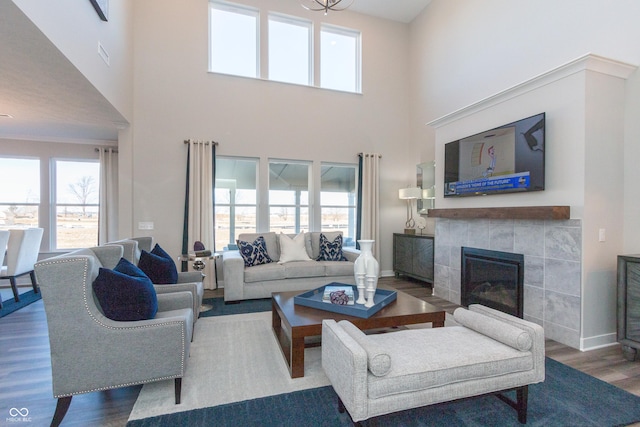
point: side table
(199, 264)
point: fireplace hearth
(492, 278)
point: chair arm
(350, 254)
(190, 276)
(344, 362)
(191, 287)
(175, 301)
(233, 273)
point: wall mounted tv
(506, 159)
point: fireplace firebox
(492, 278)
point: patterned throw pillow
(331, 251)
(254, 253)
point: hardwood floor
(25, 368)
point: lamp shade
(410, 193)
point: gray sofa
(90, 352)
(487, 352)
(260, 281)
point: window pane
(289, 50)
(288, 197)
(338, 199)
(288, 219)
(233, 40)
(76, 198)
(236, 199)
(19, 192)
(339, 59)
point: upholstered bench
(489, 352)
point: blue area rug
(242, 307)
(9, 306)
(566, 398)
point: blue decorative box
(313, 299)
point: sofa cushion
(292, 249)
(337, 268)
(125, 298)
(500, 331)
(330, 250)
(378, 359)
(312, 241)
(443, 356)
(259, 273)
(254, 253)
(304, 269)
(270, 240)
(158, 266)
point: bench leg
(520, 405)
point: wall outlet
(145, 226)
(601, 235)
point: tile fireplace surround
(552, 252)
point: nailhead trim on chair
(86, 304)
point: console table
(413, 256)
(629, 305)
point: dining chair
(4, 239)
(23, 247)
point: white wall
(75, 28)
(176, 99)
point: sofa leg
(522, 395)
(61, 410)
(520, 404)
(177, 385)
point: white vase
(366, 270)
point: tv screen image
(505, 159)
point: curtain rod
(113, 150)
(367, 155)
(186, 141)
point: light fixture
(410, 194)
(326, 5)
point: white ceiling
(396, 10)
(50, 100)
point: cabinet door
(403, 253)
(423, 258)
(632, 315)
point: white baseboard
(600, 341)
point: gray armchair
(190, 281)
(90, 352)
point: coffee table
(292, 323)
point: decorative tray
(313, 299)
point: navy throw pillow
(254, 253)
(159, 266)
(125, 298)
(331, 251)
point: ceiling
(50, 100)
(396, 10)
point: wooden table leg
(297, 357)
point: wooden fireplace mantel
(520, 212)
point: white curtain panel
(370, 229)
(108, 216)
(201, 216)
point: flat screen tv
(506, 159)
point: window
(288, 196)
(339, 59)
(338, 200)
(19, 193)
(235, 199)
(290, 50)
(234, 39)
(76, 198)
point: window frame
(357, 36)
(299, 22)
(241, 10)
(297, 207)
(352, 227)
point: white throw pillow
(292, 249)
